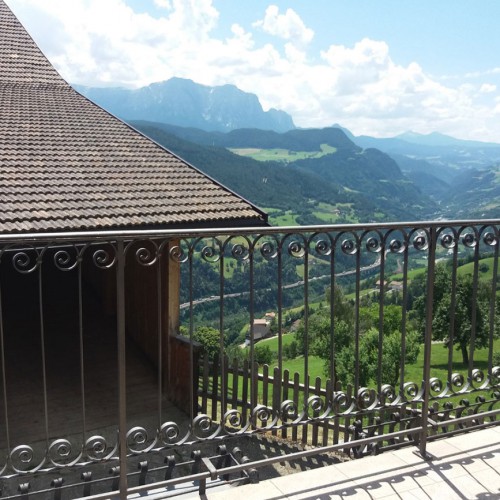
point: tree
(368, 357)
(463, 316)
(418, 292)
(321, 344)
(319, 325)
(391, 354)
(290, 350)
(235, 352)
(462, 313)
(369, 318)
(263, 354)
(209, 338)
(320, 341)
(342, 308)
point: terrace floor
(465, 466)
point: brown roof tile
(66, 164)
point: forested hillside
(369, 181)
(267, 185)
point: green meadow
(283, 155)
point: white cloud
(163, 4)
(103, 42)
(487, 88)
(479, 74)
(288, 26)
(98, 43)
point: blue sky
(376, 67)
(442, 35)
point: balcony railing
(119, 349)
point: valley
(303, 177)
(226, 133)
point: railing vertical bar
(315, 425)
(277, 394)
(304, 426)
(428, 340)
(404, 306)
(244, 393)
(159, 308)
(253, 373)
(170, 248)
(336, 423)
(42, 342)
(122, 382)
(306, 325)
(255, 388)
(215, 386)
(203, 393)
(286, 386)
(4, 371)
(296, 396)
(453, 301)
(278, 371)
(492, 308)
(381, 317)
(326, 422)
(332, 312)
(191, 335)
(276, 385)
(473, 329)
(82, 357)
(225, 383)
(221, 337)
(347, 420)
(236, 376)
(356, 321)
(265, 388)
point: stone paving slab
(465, 466)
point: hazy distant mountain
(475, 193)
(188, 104)
(462, 176)
(437, 139)
(432, 181)
(297, 139)
(447, 154)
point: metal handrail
(204, 232)
(358, 403)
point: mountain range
(182, 102)
(368, 179)
(462, 176)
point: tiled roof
(66, 164)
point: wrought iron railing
(118, 349)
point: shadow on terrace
(118, 350)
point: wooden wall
(152, 310)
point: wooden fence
(236, 386)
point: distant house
(396, 285)
(66, 165)
(260, 329)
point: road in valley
(213, 298)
